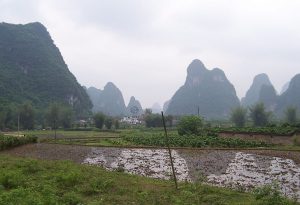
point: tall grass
(13, 141)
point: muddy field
(244, 169)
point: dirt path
(50, 152)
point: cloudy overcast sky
(145, 46)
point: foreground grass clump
(26, 181)
(158, 139)
(13, 141)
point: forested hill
(206, 91)
(32, 68)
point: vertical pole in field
(55, 130)
(19, 124)
(198, 111)
(168, 146)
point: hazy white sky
(145, 46)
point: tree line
(26, 117)
(260, 117)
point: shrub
(12, 141)
(190, 141)
(71, 198)
(259, 115)
(108, 122)
(189, 125)
(101, 185)
(291, 115)
(296, 140)
(117, 124)
(153, 120)
(69, 179)
(99, 120)
(238, 116)
(11, 179)
(270, 195)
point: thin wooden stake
(168, 146)
(19, 124)
(55, 130)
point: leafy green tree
(153, 120)
(169, 120)
(190, 125)
(148, 111)
(108, 122)
(66, 116)
(239, 116)
(99, 120)
(8, 116)
(2, 119)
(291, 115)
(27, 116)
(117, 124)
(259, 115)
(53, 116)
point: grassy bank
(26, 181)
(7, 141)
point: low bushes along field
(13, 141)
(258, 130)
(158, 139)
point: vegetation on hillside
(32, 69)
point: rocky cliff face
(166, 105)
(32, 68)
(284, 87)
(252, 95)
(109, 101)
(268, 96)
(291, 97)
(134, 107)
(208, 91)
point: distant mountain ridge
(110, 100)
(156, 108)
(291, 97)
(268, 96)
(32, 68)
(253, 94)
(263, 91)
(134, 107)
(208, 91)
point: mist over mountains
(263, 91)
(110, 100)
(33, 69)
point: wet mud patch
(50, 152)
(201, 163)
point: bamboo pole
(168, 146)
